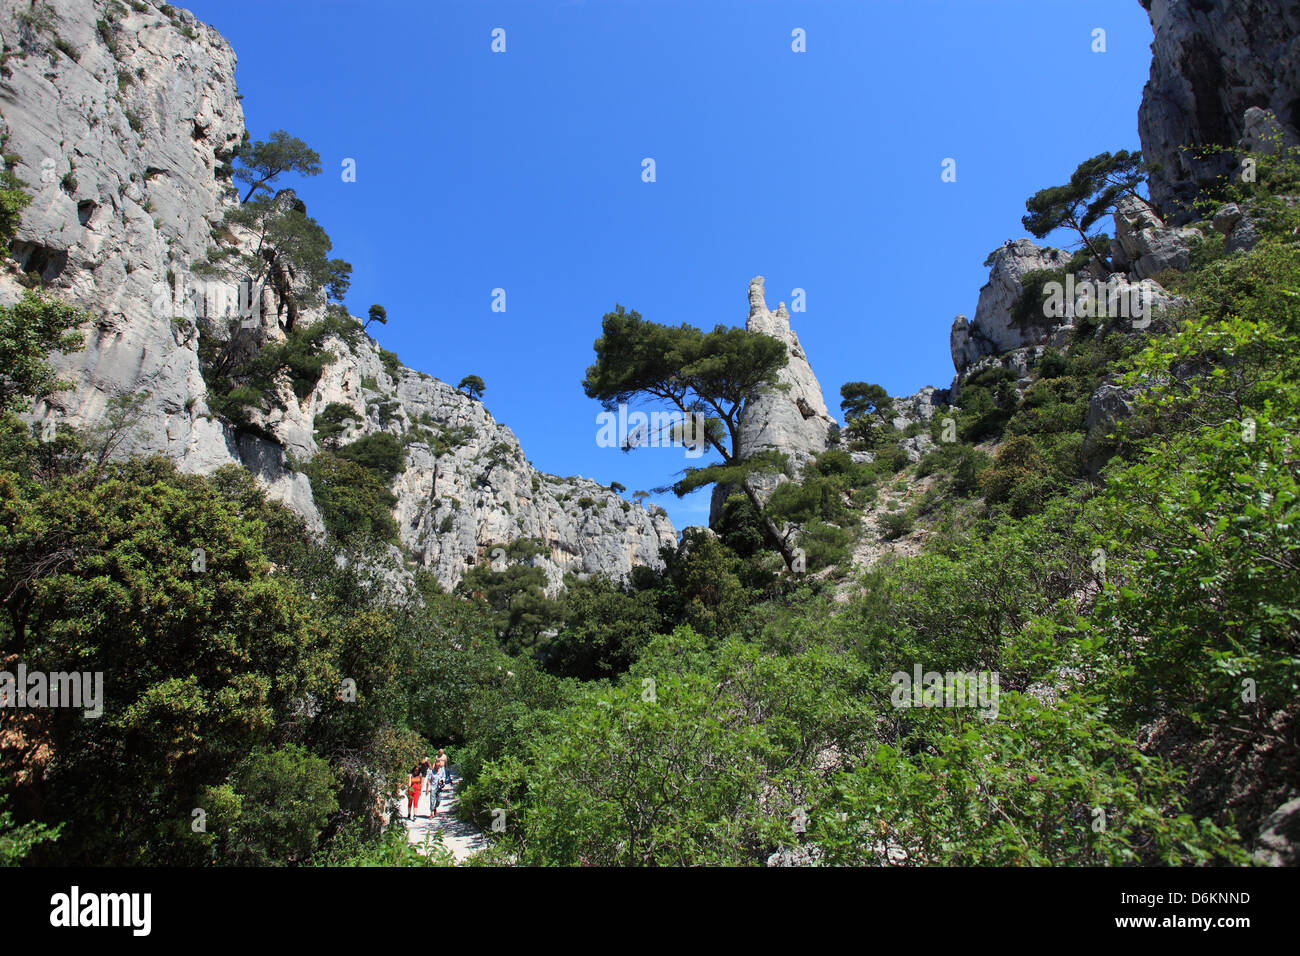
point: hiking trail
(461, 838)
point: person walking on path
(416, 783)
(444, 768)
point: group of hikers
(433, 776)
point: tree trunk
(773, 532)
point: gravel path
(461, 838)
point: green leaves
(30, 329)
(1092, 192)
(1039, 786)
(264, 161)
(712, 373)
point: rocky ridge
(123, 120)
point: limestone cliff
(123, 120)
(1212, 62)
(790, 416)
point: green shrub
(354, 501)
(824, 544)
(380, 452)
(895, 524)
(332, 422)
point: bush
(353, 501)
(1018, 477)
(824, 544)
(333, 422)
(380, 452)
(276, 807)
(895, 524)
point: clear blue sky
(819, 170)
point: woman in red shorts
(413, 790)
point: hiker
(426, 773)
(416, 783)
(444, 767)
(430, 781)
(438, 781)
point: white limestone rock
(993, 330)
(790, 417)
(1148, 245)
(125, 151)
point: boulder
(1150, 247)
(1278, 842)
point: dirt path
(461, 838)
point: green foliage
(896, 524)
(262, 162)
(602, 628)
(13, 200)
(682, 366)
(354, 501)
(516, 595)
(379, 452)
(961, 463)
(238, 384)
(869, 411)
(30, 329)
(391, 849)
(1017, 477)
(824, 544)
(706, 587)
(634, 782)
(1030, 307)
(17, 840)
(276, 806)
(1092, 192)
(472, 386)
(333, 422)
(1025, 789)
(987, 401)
(392, 364)
(290, 254)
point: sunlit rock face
(126, 149)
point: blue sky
(819, 170)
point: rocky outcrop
(791, 416)
(454, 509)
(918, 407)
(1144, 245)
(1211, 63)
(1278, 843)
(120, 148)
(993, 330)
(1240, 231)
(788, 417)
(124, 119)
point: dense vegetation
(1132, 586)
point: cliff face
(1212, 61)
(123, 120)
(119, 148)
